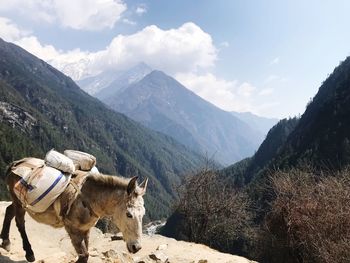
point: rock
(162, 247)
(115, 237)
(94, 253)
(159, 257)
(145, 260)
(202, 261)
(110, 254)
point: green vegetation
(40, 109)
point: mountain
(108, 82)
(262, 124)
(163, 104)
(41, 108)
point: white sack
(59, 161)
(82, 161)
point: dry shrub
(309, 219)
(214, 213)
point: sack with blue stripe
(40, 184)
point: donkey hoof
(6, 244)
(82, 259)
(30, 258)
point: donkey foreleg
(9, 215)
(20, 212)
(80, 242)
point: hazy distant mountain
(262, 124)
(108, 83)
(163, 104)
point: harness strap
(77, 184)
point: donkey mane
(111, 181)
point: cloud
(10, 31)
(77, 14)
(227, 95)
(246, 89)
(224, 44)
(141, 9)
(129, 22)
(275, 61)
(89, 14)
(184, 49)
(74, 61)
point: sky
(267, 57)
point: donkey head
(129, 217)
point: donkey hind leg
(20, 212)
(9, 215)
(86, 239)
(80, 242)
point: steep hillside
(163, 104)
(40, 109)
(322, 136)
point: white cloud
(129, 22)
(184, 49)
(77, 14)
(10, 31)
(227, 95)
(141, 9)
(89, 14)
(224, 44)
(275, 61)
(246, 89)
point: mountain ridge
(163, 104)
(67, 117)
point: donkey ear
(132, 185)
(143, 187)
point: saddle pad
(38, 189)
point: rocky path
(53, 246)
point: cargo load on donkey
(43, 181)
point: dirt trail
(53, 246)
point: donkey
(121, 199)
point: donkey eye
(128, 214)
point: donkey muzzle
(133, 247)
